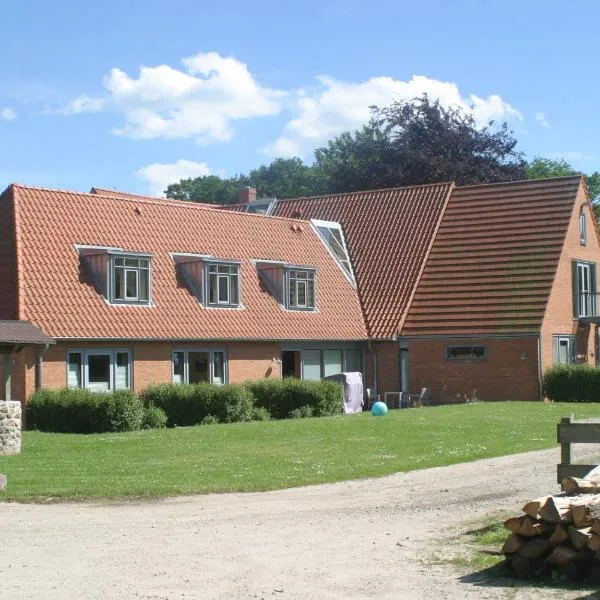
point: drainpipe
(540, 366)
(38, 367)
(370, 345)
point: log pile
(558, 533)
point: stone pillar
(10, 428)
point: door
(290, 364)
(199, 367)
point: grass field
(277, 454)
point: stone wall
(10, 428)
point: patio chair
(423, 398)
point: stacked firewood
(558, 533)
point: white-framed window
(582, 229)
(300, 286)
(331, 233)
(584, 289)
(130, 279)
(465, 352)
(223, 284)
(197, 365)
(99, 369)
(318, 363)
(563, 349)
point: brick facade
(509, 370)
(559, 311)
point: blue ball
(379, 409)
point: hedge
(286, 398)
(577, 383)
(83, 411)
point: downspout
(38, 366)
(374, 367)
(540, 368)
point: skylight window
(331, 233)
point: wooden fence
(570, 431)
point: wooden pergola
(14, 336)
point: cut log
(593, 574)
(531, 527)
(596, 527)
(535, 548)
(586, 512)
(557, 509)
(559, 535)
(594, 542)
(562, 555)
(533, 508)
(512, 544)
(514, 524)
(579, 537)
(569, 570)
(576, 485)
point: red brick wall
(8, 260)
(559, 310)
(509, 371)
(152, 362)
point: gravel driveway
(359, 539)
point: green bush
(187, 405)
(184, 405)
(283, 396)
(83, 411)
(576, 383)
(260, 413)
(154, 418)
(303, 412)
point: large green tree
(283, 178)
(419, 141)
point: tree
(542, 168)
(283, 178)
(419, 141)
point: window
(582, 229)
(465, 352)
(584, 289)
(317, 363)
(331, 233)
(300, 289)
(223, 283)
(197, 366)
(99, 370)
(130, 280)
(563, 349)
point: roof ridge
(519, 181)
(388, 189)
(189, 204)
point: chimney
(247, 194)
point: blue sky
(227, 86)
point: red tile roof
(57, 293)
(388, 233)
(494, 258)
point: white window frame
(571, 341)
(113, 269)
(84, 367)
(348, 272)
(186, 364)
(322, 358)
(228, 276)
(584, 289)
(292, 283)
(582, 229)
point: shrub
(210, 420)
(302, 413)
(184, 405)
(187, 405)
(576, 383)
(154, 418)
(83, 411)
(282, 397)
(260, 413)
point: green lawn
(277, 454)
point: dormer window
(300, 286)
(223, 284)
(130, 278)
(582, 229)
(332, 235)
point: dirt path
(361, 539)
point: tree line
(410, 142)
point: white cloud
(340, 106)
(158, 176)
(199, 101)
(81, 104)
(541, 119)
(7, 114)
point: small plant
(154, 418)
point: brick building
(470, 291)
